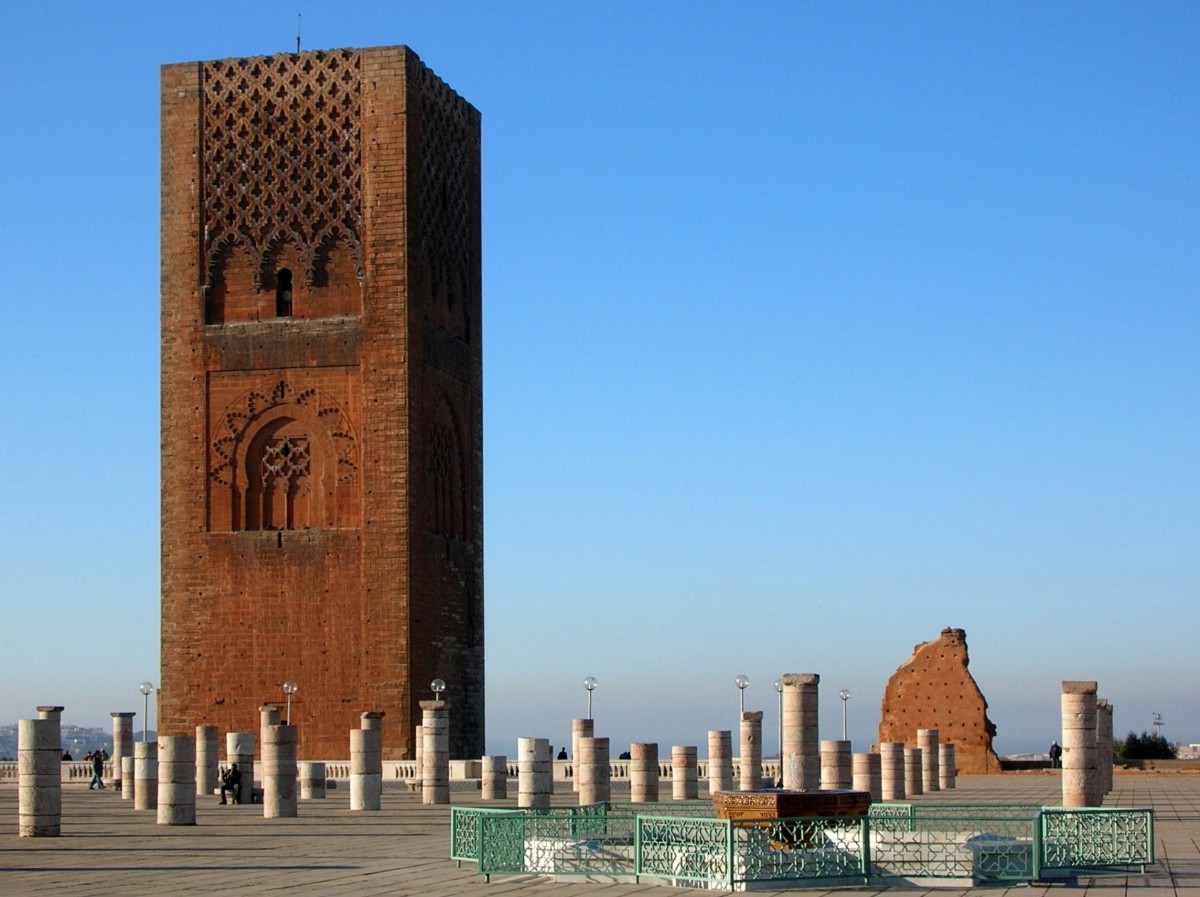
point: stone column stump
(239, 749)
(279, 772)
(128, 784)
(435, 754)
(835, 766)
(891, 760)
(177, 780)
(494, 778)
(685, 784)
(947, 773)
(366, 763)
(913, 766)
(208, 759)
(580, 728)
(592, 770)
(643, 772)
(122, 724)
(145, 775)
(751, 750)
(720, 760)
(39, 774)
(535, 772)
(801, 742)
(1080, 775)
(927, 741)
(867, 774)
(312, 780)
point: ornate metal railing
(1095, 837)
(685, 849)
(682, 843)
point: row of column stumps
(1087, 745)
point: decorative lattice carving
(285, 459)
(240, 416)
(282, 157)
(444, 189)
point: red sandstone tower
(322, 481)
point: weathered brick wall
(935, 690)
(369, 600)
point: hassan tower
(322, 480)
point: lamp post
(438, 687)
(845, 696)
(590, 684)
(289, 689)
(742, 682)
(145, 688)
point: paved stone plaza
(108, 848)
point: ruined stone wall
(935, 690)
(321, 396)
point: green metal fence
(683, 843)
(1095, 838)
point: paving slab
(108, 849)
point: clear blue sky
(810, 329)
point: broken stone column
(947, 774)
(751, 750)
(435, 754)
(580, 728)
(643, 772)
(312, 780)
(913, 783)
(867, 775)
(268, 715)
(927, 741)
(366, 763)
(128, 785)
(1080, 775)
(891, 761)
(720, 760)
(685, 784)
(494, 778)
(239, 749)
(835, 766)
(145, 775)
(592, 770)
(208, 759)
(122, 724)
(176, 780)
(279, 772)
(39, 774)
(801, 742)
(1104, 747)
(535, 772)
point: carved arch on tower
(284, 460)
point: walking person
(97, 771)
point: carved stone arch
(237, 453)
(303, 430)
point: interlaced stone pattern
(282, 157)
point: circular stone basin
(776, 803)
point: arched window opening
(279, 479)
(283, 293)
